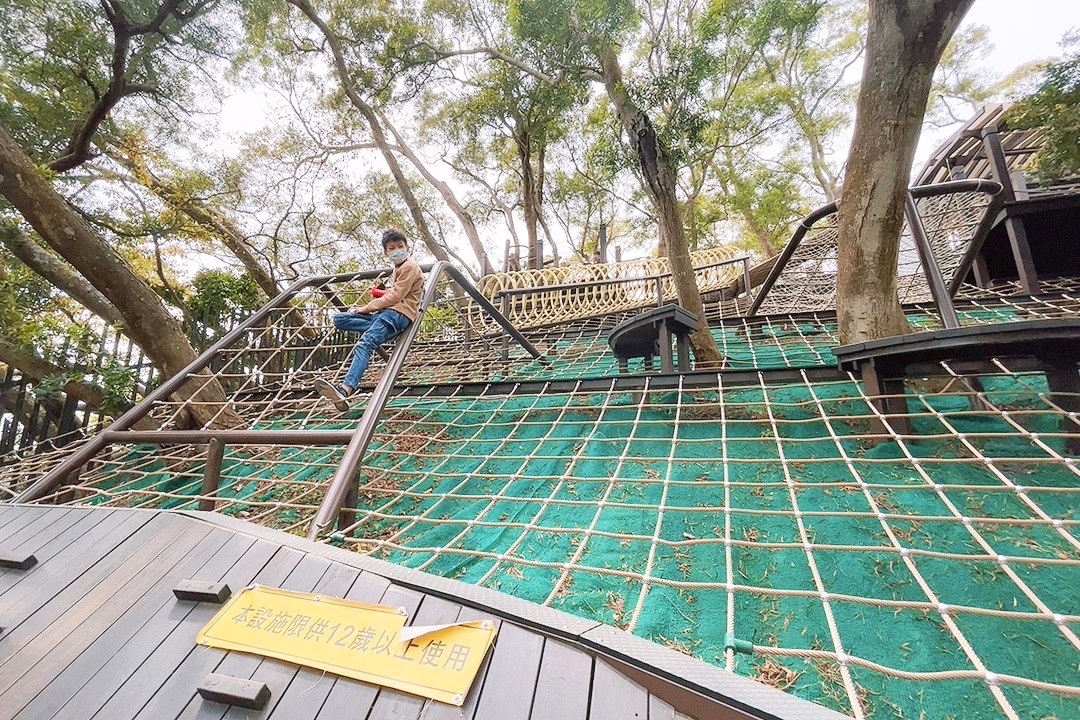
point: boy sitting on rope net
(386, 315)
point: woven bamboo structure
(538, 298)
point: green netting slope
(880, 575)
(931, 574)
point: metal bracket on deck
(202, 591)
(17, 561)
(234, 691)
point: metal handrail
(358, 439)
(349, 468)
(989, 187)
(116, 431)
(80, 457)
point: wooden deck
(93, 631)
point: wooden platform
(93, 631)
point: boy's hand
(360, 309)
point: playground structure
(770, 517)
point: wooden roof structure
(93, 630)
(987, 147)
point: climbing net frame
(262, 375)
(702, 516)
(954, 221)
(864, 566)
(558, 295)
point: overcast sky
(1020, 31)
(1023, 30)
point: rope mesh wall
(267, 373)
(808, 280)
(934, 572)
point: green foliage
(54, 54)
(710, 89)
(703, 82)
(768, 199)
(31, 310)
(1055, 107)
(804, 75)
(962, 84)
(117, 386)
(370, 204)
(220, 292)
(438, 316)
(566, 29)
(57, 59)
(51, 387)
(23, 297)
(387, 44)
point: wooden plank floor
(94, 631)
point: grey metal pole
(505, 302)
(346, 472)
(483, 302)
(929, 263)
(215, 453)
(235, 437)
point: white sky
(1020, 31)
(1023, 30)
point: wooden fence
(35, 422)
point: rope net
(807, 281)
(535, 298)
(880, 574)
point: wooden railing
(33, 419)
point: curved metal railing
(537, 298)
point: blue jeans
(377, 328)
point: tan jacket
(404, 296)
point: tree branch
(57, 273)
(496, 54)
(77, 150)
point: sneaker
(334, 393)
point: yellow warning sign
(357, 640)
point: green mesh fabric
(784, 514)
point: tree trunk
(764, 240)
(145, 317)
(9, 404)
(825, 176)
(448, 196)
(552, 245)
(377, 135)
(660, 181)
(904, 44)
(529, 196)
(57, 273)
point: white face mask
(398, 255)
